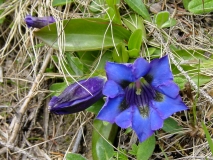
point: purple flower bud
(76, 98)
(38, 22)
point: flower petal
(141, 125)
(160, 77)
(120, 73)
(140, 68)
(124, 119)
(111, 109)
(169, 106)
(156, 120)
(169, 88)
(112, 89)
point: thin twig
(30, 95)
(32, 123)
(78, 139)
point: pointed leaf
(133, 22)
(101, 149)
(113, 11)
(123, 56)
(171, 126)
(75, 64)
(161, 18)
(139, 7)
(146, 148)
(104, 149)
(84, 34)
(135, 40)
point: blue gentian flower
(38, 22)
(76, 98)
(140, 95)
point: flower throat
(140, 93)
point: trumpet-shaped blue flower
(77, 96)
(140, 95)
(38, 22)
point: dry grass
(28, 130)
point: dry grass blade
(31, 93)
(16, 149)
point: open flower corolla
(77, 96)
(140, 95)
(38, 22)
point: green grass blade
(208, 137)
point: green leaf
(104, 149)
(139, 7)
(128, 130)
(95, 108)
(200, 6)
(133, 22)
(120, 154)
(181, 80)
(75, 64)
(161, 18)
(84, 34)
(88, 57)
(134, 53)
(113, 2)
(3, 18)
(134, 150)
(208, 137)
(60, 2)
(135, 40)
(58, 88)
(150, 50)
(171, 126)
(74, 156)
(146, 148)
(171, 22)
(64, 64)
(123, 56)
(113, 12)
(107, 56)
(96, 5)
(190, 54)
(1, 11)
(192, 72)
(186, 3)
(101, 149)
